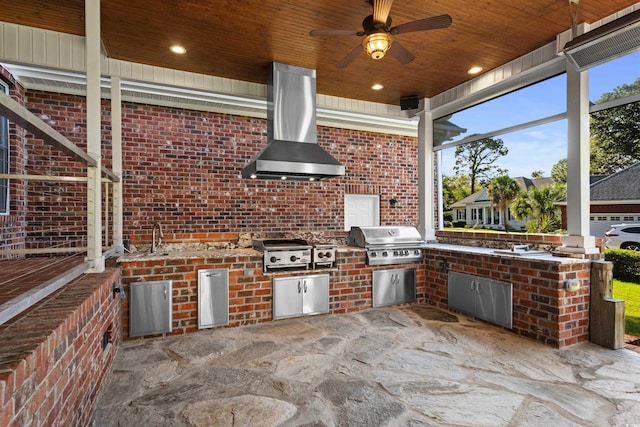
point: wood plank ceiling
(239, 39)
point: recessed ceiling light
(377, 86)
(178, 49)
(474, 70)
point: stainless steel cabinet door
(287, 297)
(213, 298)
(495, 302)
(315, 294)
(406, 286)
(481, 297)
(461, 293)
(150, 308)
(395, 286)
(301, 295)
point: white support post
(578, 239)
(440, 224)
(426, 184)
(116, 154)
(94, 146)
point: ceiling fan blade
(350, 57)
(381, 9)
(335, 33)
(400, 53)
(433, 23)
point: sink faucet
(156, 240)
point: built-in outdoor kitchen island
(549, 294)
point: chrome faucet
(156, 240)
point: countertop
(531, 255)
(221, 253)
(204, 253)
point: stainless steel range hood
(292, 152)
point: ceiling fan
(379, 33)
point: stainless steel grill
(388, 245)
(285, 253)
(324, 255)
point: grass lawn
(630, 293)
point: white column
(94, 175)
(440, 224)
(116, 160)
(578, 239)
(426, 184)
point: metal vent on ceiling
(612, 40)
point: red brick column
(53, 364)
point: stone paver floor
(412, 366)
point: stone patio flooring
(412, 366)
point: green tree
(477, 160)
(615, 132)
(559, 172)
(502, 191)
(454, 188)
(539, 203)
(537, 174)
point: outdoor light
(377, 44)
(178, 49)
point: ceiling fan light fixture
(377, 44)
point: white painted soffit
(55, 62)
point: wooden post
(606, 315)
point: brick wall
(52, 365)
(542, 308)
(250, 290)
(351, 286)
(182, 168)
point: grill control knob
(273, 259)
(320, 255)
(385, 253)
(416, 252)
(293, 258)
(373, 254)
(327, 255)
(395, 253)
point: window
(4, 158)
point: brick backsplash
(182, 168)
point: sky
(539, 148)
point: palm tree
(539, 203)
(502, 191)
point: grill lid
(396, 235)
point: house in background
(615, 199)
(477, 209)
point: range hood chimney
(292, 152)
(610, 41)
